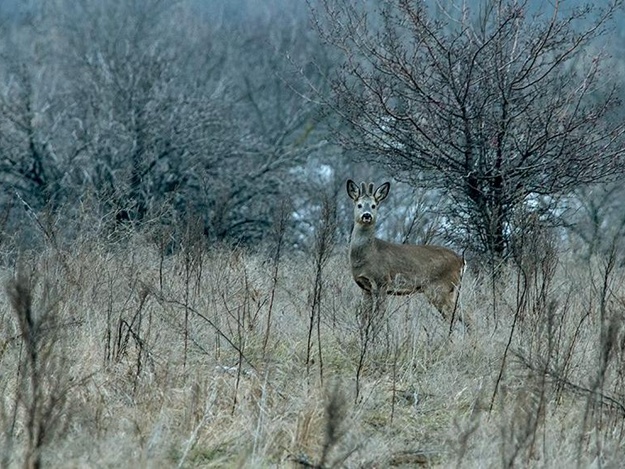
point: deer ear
(382, 192)
(352, 190)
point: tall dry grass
(205, 357)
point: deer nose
(367, 217)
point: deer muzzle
(366, 218)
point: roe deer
(381, 268)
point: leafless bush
(546, 346)
(325, 238)
(605, 400)
(40, 406)
(280, 227)
(335, 429)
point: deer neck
(363, 240)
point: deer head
(366, 201)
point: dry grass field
(113, 354)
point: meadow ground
(114, 354)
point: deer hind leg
(445, 299)
(462, 314)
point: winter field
(115, 353)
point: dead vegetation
(123, 355)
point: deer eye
(372, 206)
(359, 205)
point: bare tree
(142, 116)
(29, 112)
(501, 105)
(205, 124)
(189, 109)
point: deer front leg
(374, 297)
(379, 296)
(366, 305)
(372, 311)
(365, 316)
